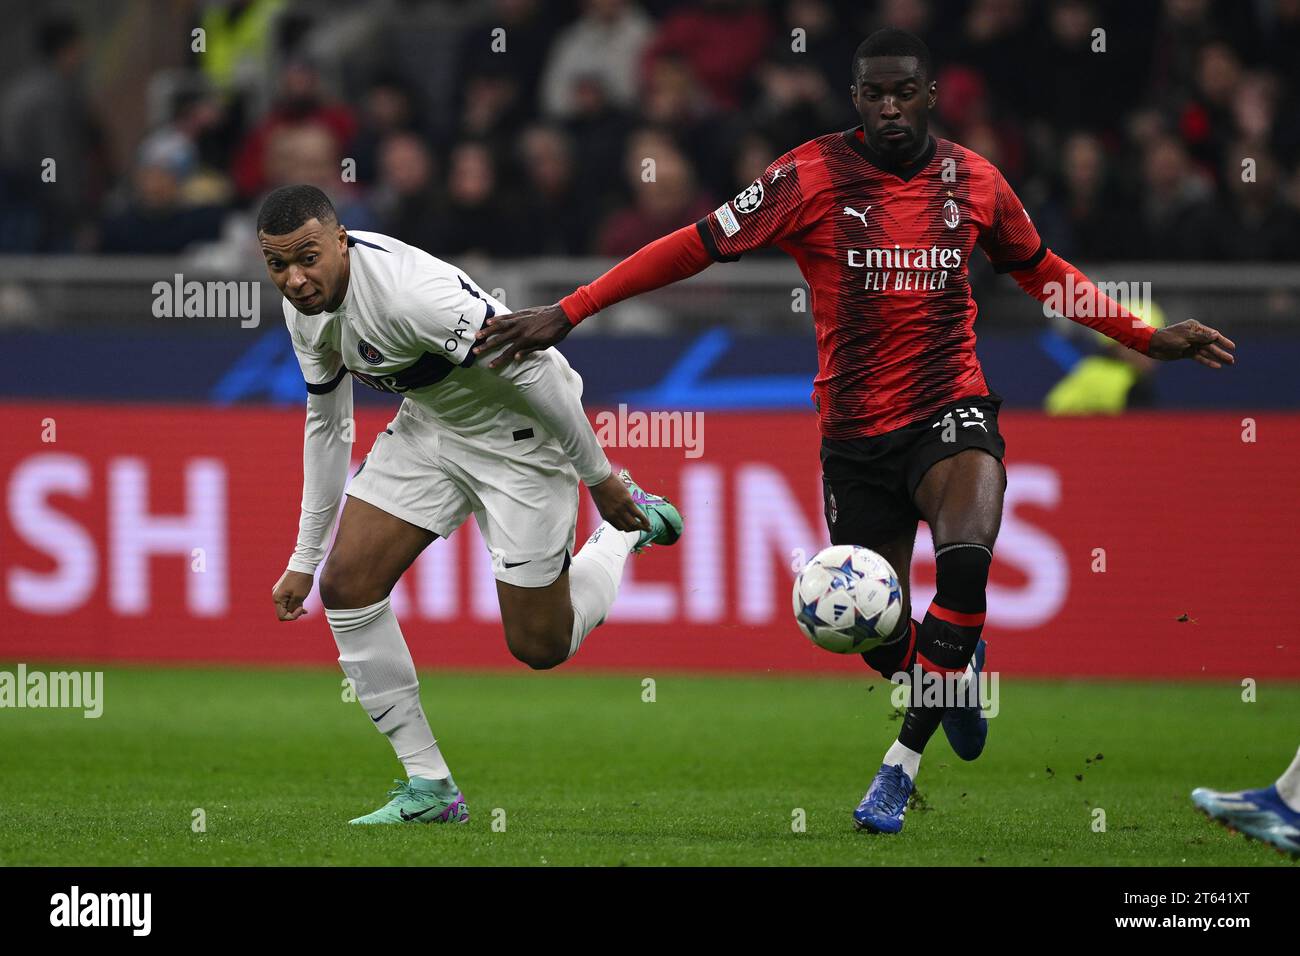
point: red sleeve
(675, 256)
(1071, 293)
(769, 210)
(1010, 240)
(1013, 245)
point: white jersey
(407, 321)
(407, 325)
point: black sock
(919, 725)
(948, 634)
(896, 654)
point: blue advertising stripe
(714, 369)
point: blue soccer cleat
(966, 727)
(882, 809)
(1256, 814)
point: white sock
(1288, 785)
(373, 653)
(594, 576)
(909, 758)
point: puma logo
(850, 211)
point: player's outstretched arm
(1089, 306)
(669, 259)
(1013, 245)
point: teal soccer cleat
(421, 801)
(665, 519)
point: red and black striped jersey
(885, 253)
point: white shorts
(522, 492)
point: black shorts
(868, 484)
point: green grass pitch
(575, 769)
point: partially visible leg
(538, 621)
(1288, 785)
(882, 808)
(371, 551)
(594, 578)
(898, 652)
(545, 625)
(960, 498)
(862, 509)
(1270, 814)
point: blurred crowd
(522, 128)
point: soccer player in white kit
(507, 445)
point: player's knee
(343, 587)
(541, 657)
(538, 648)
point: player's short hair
(893, 42)
(288, 207)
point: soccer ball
(847, 599)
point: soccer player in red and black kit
(882, 220)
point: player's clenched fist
(615, 504)
(289, 593)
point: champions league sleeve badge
(749, 198)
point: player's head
(893, 92)
(306, 249)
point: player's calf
(950, 631)
(545, 626)
(539, 649)
(897, 654)
(538, 622)
(945, 643)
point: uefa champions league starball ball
(847, 599)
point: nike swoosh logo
(514, 564)
(383, 715)
(412, 816)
